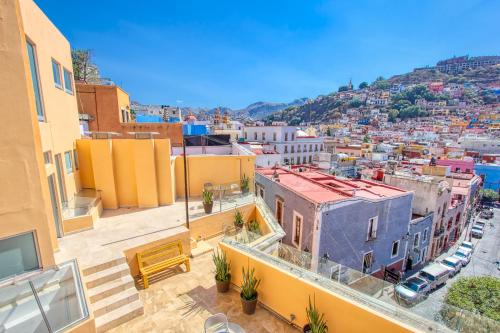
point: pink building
(465, 165)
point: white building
(292, 144)
(481, 144)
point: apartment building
(361, 224)
(293, 145)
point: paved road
(486, 253)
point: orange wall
(286, 294)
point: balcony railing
(52, 301)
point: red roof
(320, 187)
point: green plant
(253, 226)
(249, 285)
(244, 183)
(317, 322)
(222, 266)
(238, 219)
(208, 197)
(489, 195)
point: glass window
(75, 158)
(68, 81)
(395, 249)
(297, 228)
(56, 72)
(18, 255)
(34, 78)
(69, 163)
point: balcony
(439, 232)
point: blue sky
(233, 53)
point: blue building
(188, 129)
(490, 174)
(144, 118)
(360, 224)
(418, 243)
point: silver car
(412, 290)
(453, 264)
(463, 256)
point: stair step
(102, 266)
(119, 316)
(110, 288)
(202, 247)
(106, 275)
(115, 301)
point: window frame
(294, 229)
(280, 220)
(37, 252)
(363, 263)
(425, 235)
(40, 112)
(58, 66)
(373, 234)
(397, 249)
(416, 236)
(70, 74)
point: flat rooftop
(320, 187)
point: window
(315, 147)
(263, 136)
(304, 161)
(68, 81)
(292, 160)
(69, 163)
(286, 149)
(293, 136)
(292, 150)
(255, 135)
(423, 254)
(34, 78)
(367, 262)
(416, 240)
(425, 234)
(286, 136)
(279, 211)
(47, 157)
(274, 136)
(246, 135)
(75, 158)
(310, 159)
(56, 73)
(18, 254)
(297, 229)
(372, 228)
(395, 249)
(125, 117)
(310, 148)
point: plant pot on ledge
(223, 286)
(208, 207)
(307, 329)
(208, 201)
(248, 306)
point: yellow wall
(24, 196)
(128, 172)
(287, 294)
(212, 169)
(212, 225)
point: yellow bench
(159, 258)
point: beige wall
(24, 195)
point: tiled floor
(181, 302)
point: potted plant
(248, 293)
(317, 322)
(238, 219)
(208, 201)
(244, 184)
(222, 271)
(254, 227)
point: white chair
(217, 324)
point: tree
(479, 294)
(366, 138)
(363, 85)
(381, 83)
(489, 195)
(83, 68)
(393, 114)
(355, 103)
(343, 88)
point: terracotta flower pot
(223, 286)
(208, 207)
(249, 305)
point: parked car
(412, 290)
(468, 245)
(487, 214)
(463, 256)
(453, 264)
(435, 274)
(477, 232)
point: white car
(412, 290)
(463, 256)
(453, 264)
(468, 245)
(477, 232)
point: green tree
(84, 69)
(355, 103)
(479, 294)
(381, 83)
(343, 88)
(363, 85)
(489, 195)
(366, 138)
(393, 114)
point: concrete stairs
(112, 293)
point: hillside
(329, 108)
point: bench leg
(145, 281)
(188, 265)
